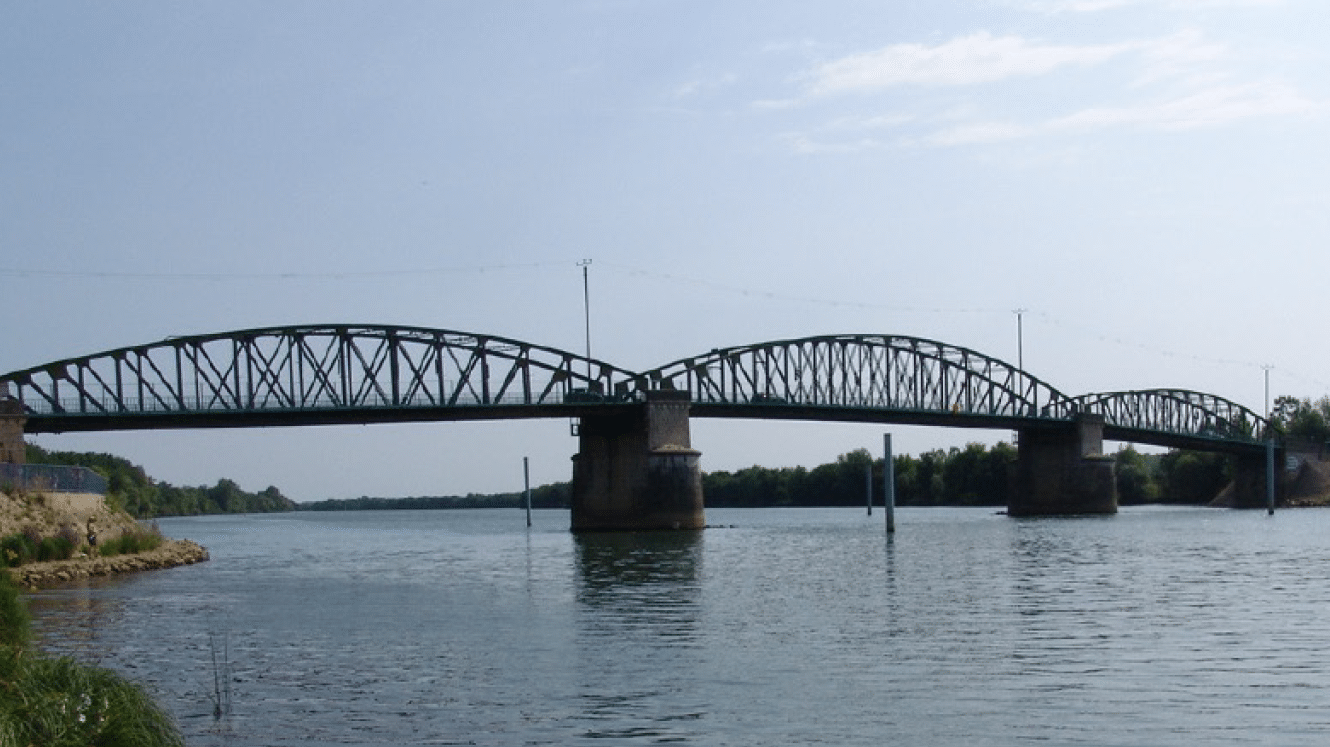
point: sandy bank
(49, 513)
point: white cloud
(980, 133)
(1181, 81)
(1184, 54)
(1095, 6)
(1206, 108)
(977, 58)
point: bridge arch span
(860, 377)
(1176, 418)
(305, 375)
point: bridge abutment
(12, 420)
(638, 470)
(1062, 471)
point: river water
(779, 627)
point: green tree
(1302, 418)
(1137, 477)
(1192, 476)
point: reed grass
(58, 702)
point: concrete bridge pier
(12, 420)
(638, 470)
(1063, 470)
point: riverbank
(170, 554)
(48, 514)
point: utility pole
(1267, 368)
(1020, 338)
(586, 307)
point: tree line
(556, 495)
(973, 475)
(976, 475)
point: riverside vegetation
(57, 702)
(976, 475)
(130, 488)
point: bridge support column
(12, 420)
(638, 470)
(1251, 480)
(1063, 471)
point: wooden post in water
(889, 484)
(526, 475)
(1270, 477)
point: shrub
(55, 548)
(14, 620)
(17, 549)
(140, 540)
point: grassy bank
(57, 702)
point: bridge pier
(1062, 471)
(1251, 481)
(12, 420)
(638, 470)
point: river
(1156, 626)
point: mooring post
(526, 476)
(889, 484)
(1270, 477)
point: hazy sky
(1146, 177)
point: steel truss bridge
(343, 374)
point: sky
(1144, 180)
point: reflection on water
(1153, 627)
(637, 634)
(77, 612)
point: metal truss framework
(365, 373)
(906, 377)
(1166, 415)
(337, 373)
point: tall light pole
(586, 307)
(1020, 338)
(1267, 368)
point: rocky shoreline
(170, 554)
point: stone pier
(12, 420)
(1063, 470)
(638, 470)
